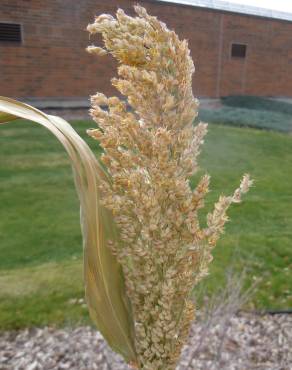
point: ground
(242, 342)
(40, 250)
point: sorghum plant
(150, 153)
(144, 248)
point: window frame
(9, 42)
(237, 57)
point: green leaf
(106, 297)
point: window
(238, 51)
(10, 32)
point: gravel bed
(245, 342)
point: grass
(40, 249)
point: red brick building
(237, 50)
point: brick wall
(51, 61)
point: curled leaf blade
(107, 301)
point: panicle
(150, 152)
(96, 50)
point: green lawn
(40, 248)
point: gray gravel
(245, 342)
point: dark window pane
(10, 32)
(238, 51)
